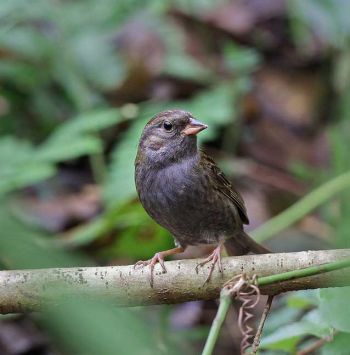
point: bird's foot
(158, 258)
(215, 257)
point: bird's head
(170, 137)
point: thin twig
(257, 337)
(317, 344)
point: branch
(29, 290)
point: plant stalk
(301, 208)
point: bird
(185, 192)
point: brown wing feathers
(225, 187)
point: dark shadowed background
(78, 81)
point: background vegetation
(78, 81)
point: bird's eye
(167, 126)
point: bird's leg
(215, 257)
(158, 258)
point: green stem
(310, 271)
(225, 302)
(225, 298)
(302, 207)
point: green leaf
(327, 18)
(216, 107)
(334, 307)
(27, 174)
(95, 54)
(212, 106)
(120, 185)
(56, 151)
(19, 167)
(240, 59)
(96, 327)
(21, 74)
(286, 338)
(203, 6)
(87, 233)
(26, 42)
(133, 226)
(89, 122)
(23, 247)
(303, 299)
(178, 62)
(182, 66)
(137, 228)
(29, 165)
(75, 137)
(340, 345)
(279, 318)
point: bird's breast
(179, 198)
(168, 189)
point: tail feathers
(243, 244)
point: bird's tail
(243, 244)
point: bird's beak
(194, 127)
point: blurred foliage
(287, 337)
(123, 331)
(326, 17)
(22, 247)
(81, 326)
(74, 95)
(75, 138)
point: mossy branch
(29, 290)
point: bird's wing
(224, 186)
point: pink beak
(194, 127)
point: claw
(157, 258)
(215, 257)
(160, 259)
(141, 263)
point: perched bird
(184, 191)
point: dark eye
(167, 126)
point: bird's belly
(192, 214)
